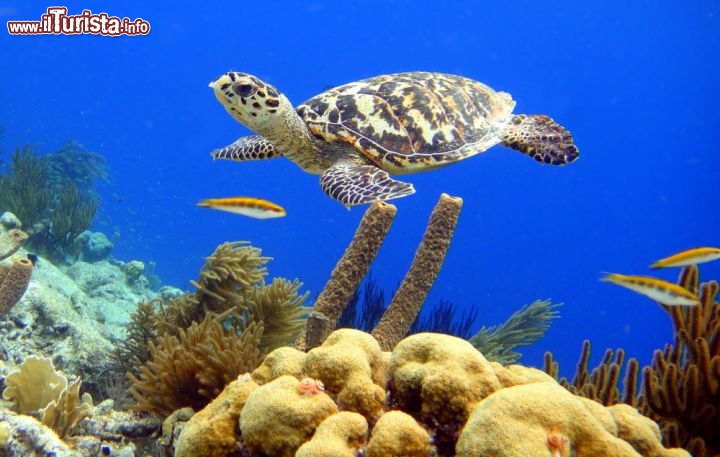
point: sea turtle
(355, 135)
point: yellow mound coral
(397, 434)
(278, 417)
(525, 419)
(440, 375)
(213, 432)
(350, 364)
(340, 435)
(281, 361)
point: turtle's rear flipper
(541, 138)
(352, 184)
(252, 147)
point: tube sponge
(14, 281)
(429, 257)
(349, 272)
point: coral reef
(340, 435)
(439, 379)
(681, 388)
(444, 399)
(527, 419)
(70, 317)
(107, 432)
(53, 195)
(397, 433)
(93, 246)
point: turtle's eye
(244, 90)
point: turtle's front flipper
(252, 147)
(541, 138)
(352, 184)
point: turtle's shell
(409, 122)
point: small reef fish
(688, 257)
(661, 291)
(247, 206)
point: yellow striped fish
(661, 291)
(247, 206)
(688, 257)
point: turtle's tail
(541, 138)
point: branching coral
(192, 369)
(681, 388)
(52, 195)
(25, 190)
(72, 214)
(602, 382)
(524, 327)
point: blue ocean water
(635, 82)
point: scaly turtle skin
(354, 136)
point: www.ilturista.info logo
(57, 22)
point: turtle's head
(252, 102)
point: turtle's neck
(292, 137)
